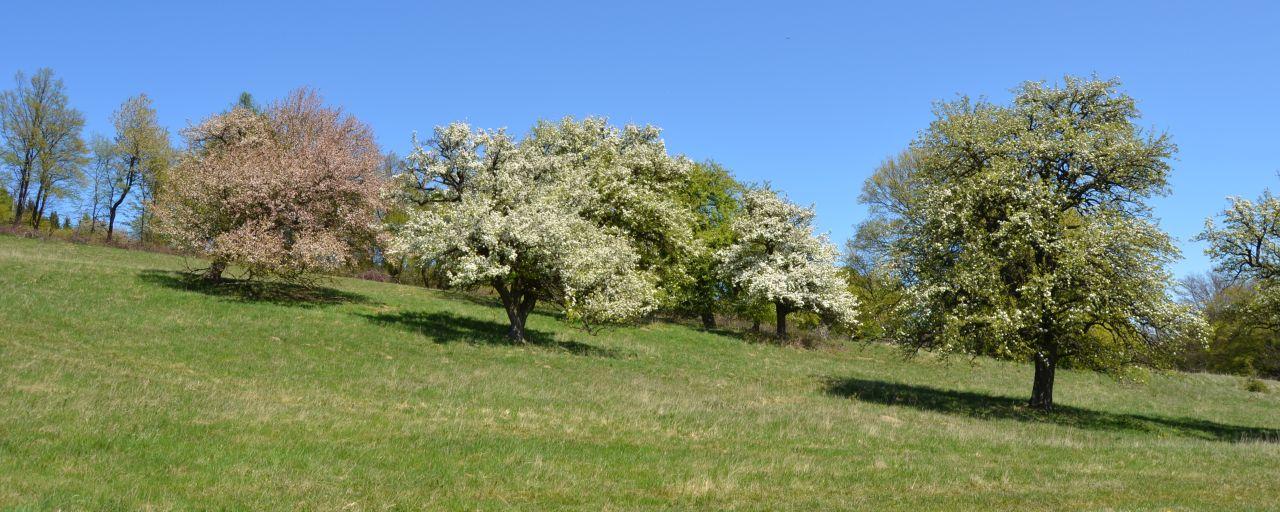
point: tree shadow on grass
(983, 406)
(444, 327)
(285, 294)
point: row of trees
(42, 144)
(1018, 231)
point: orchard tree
(775, 258)
(142, 154)
(1245, 245)
(283, 192)
(578, 214)
(1025, 234)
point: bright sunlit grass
(124, 387)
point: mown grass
(123, 386)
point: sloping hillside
(122, 387)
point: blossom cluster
(286, 191)
(777, 258)
(576, 213)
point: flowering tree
(1246, 248)
(1022, 233)
(282, 192)
(578, 214)
(776, 258)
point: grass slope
(122, 388)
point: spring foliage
(282, 192)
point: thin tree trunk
(111, 223)
(1042, 387)
(42, 200)
(24, 186)
(755, 325)
(782, 311)
(37, 211)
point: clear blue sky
(809, 96)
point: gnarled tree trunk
(1042, 387)
(518, 301)
(214, 274)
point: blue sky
(810, 96)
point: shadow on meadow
(285, 294)
(445, 327)
(984, 406)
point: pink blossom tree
(282, 192)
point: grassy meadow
(123, 387)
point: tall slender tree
(142, 153)
(102, 159)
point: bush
(1255, 385)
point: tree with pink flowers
(282, 191)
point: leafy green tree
(40, 137)
(890, 194)
(1244, 338)
(713, 197)
(1026, 234)
(142, 154)
(6, 205)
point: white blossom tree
(776, 258)
(1025, 234)
(578, 214)
(1245, 247)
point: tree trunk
(516, 333)
(755, 325)
(37, 213)
(782, 311)
(1042, 388)
(214, 274)
(24, 186)
(708, 320)
(111, 223)
(518, 303)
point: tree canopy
(776, 258)
(1022, 232)
(578, 213)
(282, 192)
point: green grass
(121, 387)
